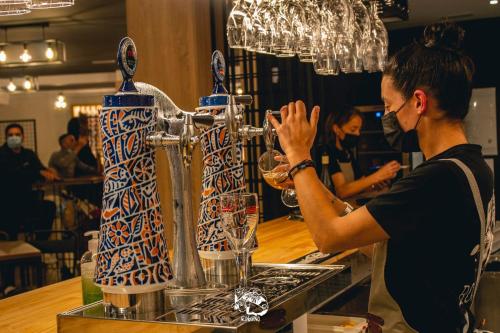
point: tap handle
(162, 139)
(269, 132)
(203, 120)
(243, 99)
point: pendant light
(44, 4)
(60, 102)
(11, 87)
(14, 7)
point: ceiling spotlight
(11, 86)
(26, 56)
(493, 2)
(3, 55)
(60, 102)
(49, 52)
(28, 83)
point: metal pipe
(187, 269)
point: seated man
(66, 162)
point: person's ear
(336, 129)
(420, 101)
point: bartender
(340, 137)
(433, 229)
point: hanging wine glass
(362, 19)
(284, 44)
(334, 35)
(305, 42)
(376, 51)
(264, 27)
(239, 29)
(235, 25)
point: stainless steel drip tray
(290, 290)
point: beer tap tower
(223, 172)
(135, 121)
(143, 289)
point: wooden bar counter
(280, 241)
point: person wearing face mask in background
(433, 230)
(19, 169)
(339, 139)
(19, 204)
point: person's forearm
(85, 167)
(316, 206)
(355, 187)
(338, 204)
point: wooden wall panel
(174, 50)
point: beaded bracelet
(298, 167)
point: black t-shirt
(85, 155)
(433, 224)
(337, 156)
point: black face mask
(397, 138)
(349, 141)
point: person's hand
(295, 133)
(49, 175)
(387, 172)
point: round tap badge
(127, 57)
(218, 66)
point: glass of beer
(274, 167)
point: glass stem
(242, 262)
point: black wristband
(298, 167)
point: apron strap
(480, 209)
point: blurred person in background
(66, 162)
(19, 169)
(21, 208)
(340, 137)
(78, 127)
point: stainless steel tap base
(290, 290)
(128, 306)
(220, 273)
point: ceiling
(91, 30)
(423, 12)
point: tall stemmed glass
(239, 25)
(240, 216)
(274, 167)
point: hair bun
(445, 35)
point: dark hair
(78, 126)
(338, 118)
(64, 136)
(14, 125)
(438, 65)
(74, 127)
